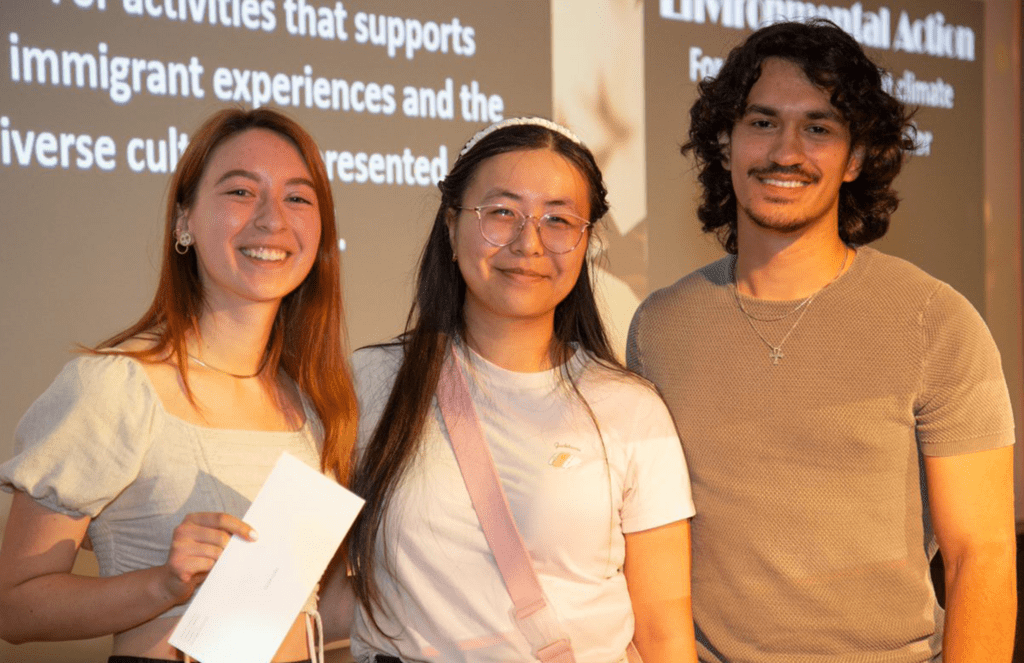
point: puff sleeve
(84, 439)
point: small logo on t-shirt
(564, 458)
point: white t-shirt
(573, 498)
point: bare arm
(657, 571)
(40, 599)
(971, 502)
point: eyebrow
(810, 115)
(505, 193)
(249, 175)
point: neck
(234, 340)
(517, 345)
(783, 268)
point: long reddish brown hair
(306, 340)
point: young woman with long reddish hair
(151, 446)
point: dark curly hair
(834, 61)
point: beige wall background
(597, 50)
(1004, 75)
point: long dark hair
(436, 320)
(834, 61)
(306, 340)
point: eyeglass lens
(559, 233)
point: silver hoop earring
(183, 241)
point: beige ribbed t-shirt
(811, 541)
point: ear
(723, 142)
(450, 222)
(180, 220)
(854, 163)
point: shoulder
(97, 413)
(103, 388)
(374, 369)
(624, 397)
(374, 364)
(597, 378)
(885, 277)
(678, 311)
(96, 377)
(707, 282)
(881, 273)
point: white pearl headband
(520, 121)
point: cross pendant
(775, 355)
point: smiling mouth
(264, 253)
(515, 271)
(784, 177)
(785, 184)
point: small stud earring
(183, 241)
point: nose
(269, 214)
(528, 241)
(787, 148)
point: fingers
(197, 543)
(224, 522)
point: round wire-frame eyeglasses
(500, 225)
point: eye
(557, 221)
(499, 212)
(301, 199)
(819, 130)
(761, 123)
(238, 192)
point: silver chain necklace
(263, 364)
(775, 349)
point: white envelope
(249, 601)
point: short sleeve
(373, 375)
(85, 437)
(633, 360)
(657, 480)
(964, 405)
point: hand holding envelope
(251, 597)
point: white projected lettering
(259, 88)
(51, 150)
(703, 66)
(396, 33)
(881, 27)
(930, 35)
(127, 76)
(428, 102)
(306, 19)
(403, 168)
(923, 146)
(120, 76)
(251, 14)
(156, 155)
(909, 90)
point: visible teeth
(263, 253)
(787, 184)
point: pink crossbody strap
(492, 509)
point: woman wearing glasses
(586, 453)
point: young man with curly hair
(843, 413)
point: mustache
(776, 169)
